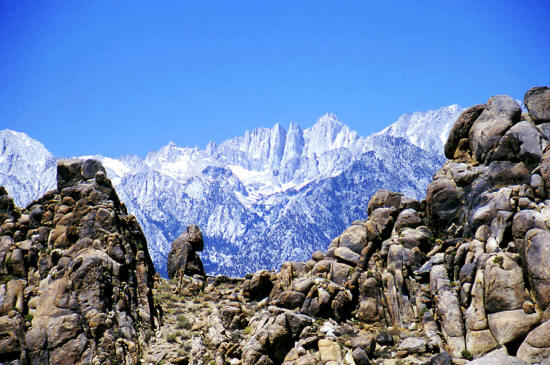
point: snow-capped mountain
(27, 168)
(260, 199)
(413, 127)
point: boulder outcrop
(462, 275)
(76, 279)
(467, 267)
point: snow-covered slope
(268, 196)
(427, 130)
(27, 168)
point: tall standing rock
(183, 256)
(537, 101)
(461, 129)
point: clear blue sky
(115, 78)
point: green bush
(467, 355)
(171, 337)
(183, 322)
(499, 260)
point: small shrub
(247, 330)
(499, 260)
(5, 278)
(183, 322)
(28, 317)
(422, 312)
(171, 337)
(467, 355)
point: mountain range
(268, 196)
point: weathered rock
(90, 168)
(384, 339)
(500, 114)
(360, 356)
(408, 218)
(346, 255)
(508, 326)
(443, 203)
(183, 256)
(504, 286)
(329, 351)
(545, 169)
(505, 173)
(523, 142)
(367, 343)
(384, 199)
(537, 101)
(448, 308)
(10, 337)
(70, 172)
(354, 238)
(78, 279)
(259, 286)
(479, 342)
(489, 206)
(413, 345)
(411, 238)
(498, 357)
(291, 299)
(525, 220)
(273, 334)
(536, 346)
(537, 255)
(461, 129)
(443, 358)
(380, 224)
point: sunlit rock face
(76, 279)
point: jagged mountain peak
(425, 129)
(12, 139)
(268, 195)
(327, 134)
(26, 166)
(329, 120)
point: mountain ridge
(242, 188)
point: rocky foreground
(76, 278)
(463, 275)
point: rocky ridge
(76, 278)
(462, 275)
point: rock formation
(462, 275)
(464, 272)
(183, 258)
(76, 278)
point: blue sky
(115, 78)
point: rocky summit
(459, 277)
